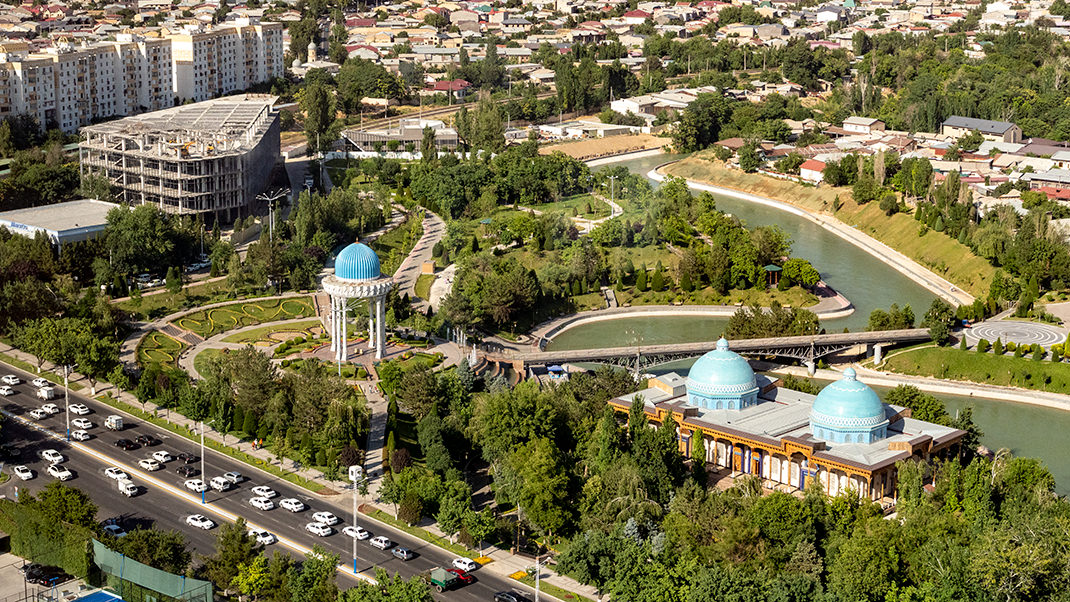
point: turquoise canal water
(1030, 431)
(866, 281)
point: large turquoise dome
(848, 411)
(722, 380)
(357, 262)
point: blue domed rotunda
(848, 411)
(357, 276)
(722, 380)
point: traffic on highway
(141, 475)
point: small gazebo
(357, 276)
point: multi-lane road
(165, 503)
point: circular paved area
(1019, 332)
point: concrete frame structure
(214, 156)
(341, 291)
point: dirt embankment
(585, 150)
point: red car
(462, 575)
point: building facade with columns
(844, 437)
(357, 276)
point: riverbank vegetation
(1011, 370)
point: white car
(39, 414)
(80, 409)
(149, 464)
(51, 408)
(60, 472)
(82, 423)
(465, 564)
(114, 472)
(51, 456)
(115, 530)
(292, 504)
(264, 491)
(10, 379)
(161, 456)
(195, 485)
(23, 473)
(234, 477)
(326, 518)
(356, 533)
(40, 382)
(263, 537)
(6, 390)
(80, 435)
(200, 521)
(319, 529)
(261, 503)
(381, 542)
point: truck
(114, 422)
(47, 392)
(442, 580)
(127, 487)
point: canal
(1030, 431)
(868, 282)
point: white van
(46, 393)
(127, 487)
(114, 422)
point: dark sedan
(187, 458)
(187, 471)
(147, 440)
(126, 444)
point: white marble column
(331, 322)
(343, 351)
(371, 323)
(380, 329)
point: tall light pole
(360, 484)
(67, 398)
(202, 457)
(270, 198)
(538, 571)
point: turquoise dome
(848, 411)
(357, 262)
(722, 380)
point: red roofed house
(636, 17)
(458, 87)
(812, 170)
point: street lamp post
(67, 398)
(356, 476)
(270, 198)
(538, 571)
(202, 457)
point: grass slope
(1006, 370)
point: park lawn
(940, 253)
(200, 361)
(423, 285)
(302, 328)
(576, 205)
(1005, 370)
(349, 370)
(154, 306)
(158, 348)
(207, 323)
(393, 246)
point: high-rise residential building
(207, 157)
(70, 86)
(228, 58)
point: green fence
(137, 582)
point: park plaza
(746, 424)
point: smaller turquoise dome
(848, 411)
(722, 380)
(357, 262)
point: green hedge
(39, 539)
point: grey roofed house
(985, 126)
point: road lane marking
(176, 492)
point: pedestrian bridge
(806, 348)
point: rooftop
(61, 217)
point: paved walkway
(411, 268)
(442, 285)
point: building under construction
(213, 156)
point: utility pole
(67, 398)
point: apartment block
(207, 157)
(227, 58)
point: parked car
(465, 564)
(149, 464)
(261, 503)
(115, 530)
(82, 423)
(265, 491)
(187, 458)
(60, 472)
(161, 456)
(510, 597)
(464, 576)
(51, 408)
(23, 473)
(220, 484)
(126, 444)
(403, 553)
(381, 542)
(187, 471)
(292, 504)
(263, 537)
(147, 440)
(356, 533)
(80, 409)
(50, 455)
(114, 472)
(200, 521)
(318, 529)
(80, 435)
(196, 485)
(233, 477)
(326, 518)
(39, 414)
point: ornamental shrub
(983, 346)
(997, 347)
